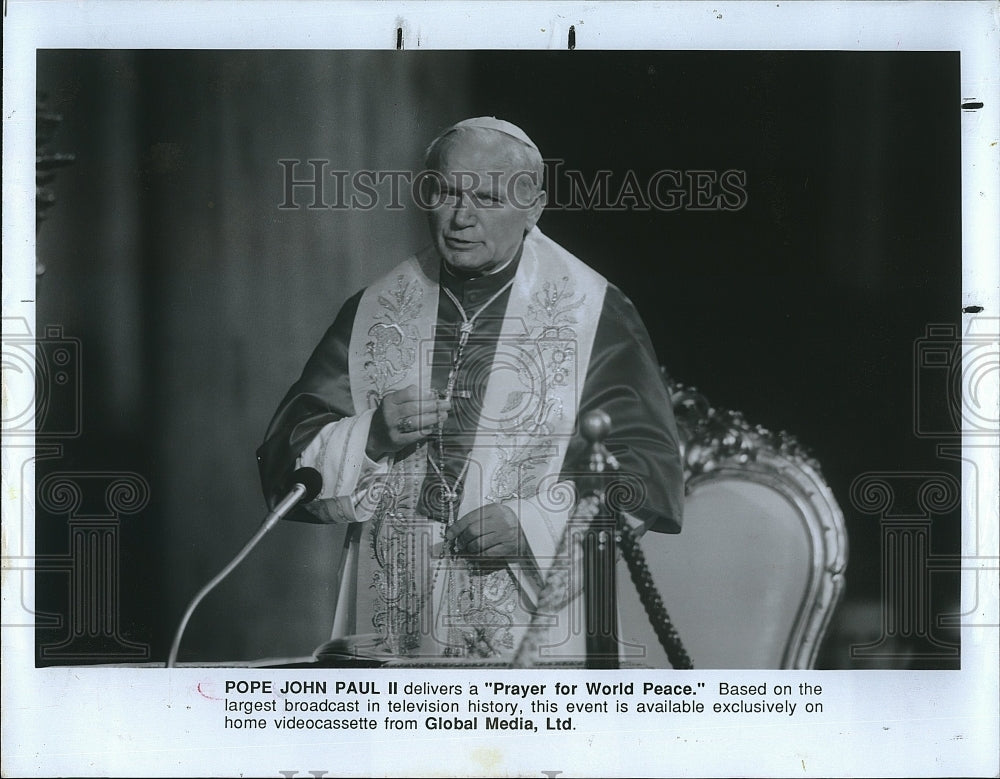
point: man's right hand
(404, 417)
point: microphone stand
(307, 485)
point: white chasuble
(400, 582)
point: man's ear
(535, 211)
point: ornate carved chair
(753, 578)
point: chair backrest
(753, 578)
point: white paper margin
(114, 721)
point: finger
(493, 529)
(485, 516)
(456, 529)
(486, 526)
(473, 534)
(422, 405)
(494, 548)
(510, 543)
(406, 394)
(414, 407)
(510, 547)
(416, 420)
(419, 425)
(475, 545)
(404, 435)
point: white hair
(524, 156)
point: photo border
(129, 721)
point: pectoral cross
(451, 498)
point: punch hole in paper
(399, 39)
(972, 104)
(572, 38)
(972, 309)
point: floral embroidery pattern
(546, 364)
(397, 542)
(392, 339)
(484, 614)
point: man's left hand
(491, 532)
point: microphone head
(310, 479)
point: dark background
(196, 300)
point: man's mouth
(458, 244)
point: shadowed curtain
(197, 300)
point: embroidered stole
(424, 601)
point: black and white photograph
(530, 403)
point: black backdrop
(196, 299)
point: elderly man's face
(486, 206)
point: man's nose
(464, 212)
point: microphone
(304, 485)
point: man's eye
(450, 197)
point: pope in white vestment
(441, 409)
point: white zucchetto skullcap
(497, 125)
